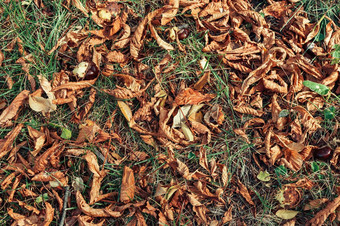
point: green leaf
(66, 134)
(283, 113)
(41, 198)
(316, 87)
(315, 167)
(191, 155)
(336, 51)
(281, 171)
(263, 176)
(329, 113)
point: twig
(63, 216)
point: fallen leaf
(286, 214)
(263, 176)
(125, 109)
(89, 211)
(315, 204)
(190, 96)
(40, 104)
(127, 190)
(244, 192)
(11, 111)
(322, 215)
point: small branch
(63, 216)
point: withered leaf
(322, 215)
(190, 96)
(243, 190)
(87, 221)
(89, 211)
(127, 190)
(11, 111)
(5, 146)
(125, 109)
(286, 214)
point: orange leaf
(127, 191)
(190, 96)
(11, 111)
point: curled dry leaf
(322, 215)
(88, 221)
(335, 161)
(6, 144)
(38, 138)
(163, 44)
(40, 104)
(171, 13)
(228, 215)
(276, 9)
(244, 192)
(190, 96)
(315, 204)
(137, 39)
(127, 190)
(11, 111)
(89, 211)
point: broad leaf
(316, 87)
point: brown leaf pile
(268, 62)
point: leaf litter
(279, 80)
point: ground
(33, 28)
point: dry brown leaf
(190, 96)
(48, 176)
(171, 13)
(49, 213)
(6, 146)
(2, 57)
(228, 215)
(127, 191)
(28, 207)
(243, 190)
(38, 138)
(42, 161)
(203, 161)
(276, 9)
(40, 104)
(116, 57)
(202, 81)
(11, 111)
(225, 176)
(322, 215)
(85, 110)
(89, 211)
(88, 221)
(92, 163)
(163, 44)
(198, 208)
(137, 39)
(335, 161)
(124, 40)
(315, 204)
(183, 170)
(75, 85)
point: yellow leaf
(125, 109)
(286, 214)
